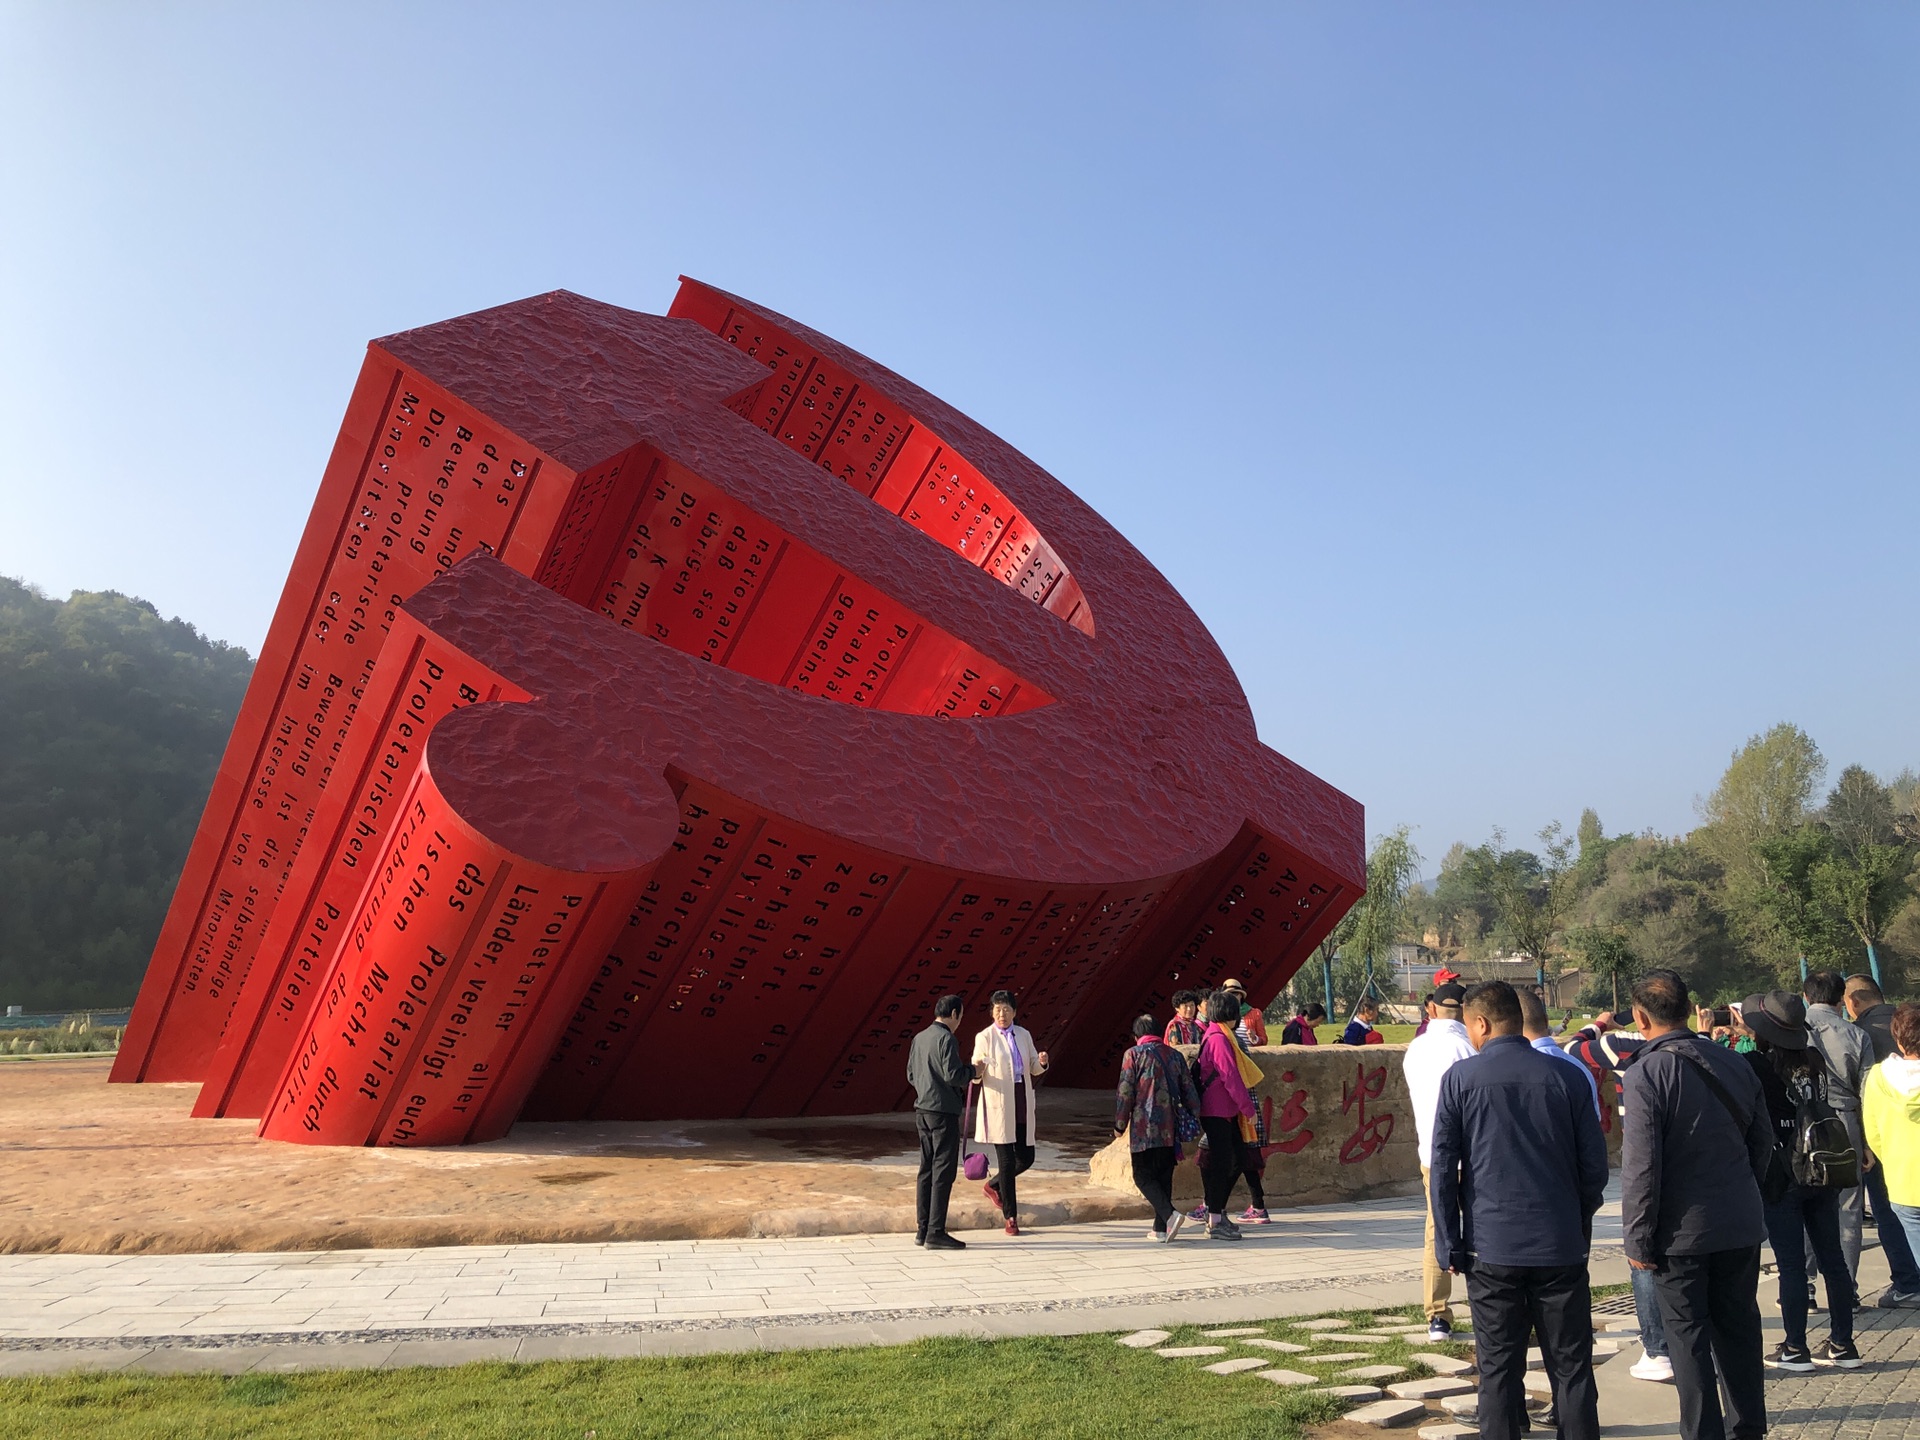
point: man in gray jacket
(1847, 1051)
(1697, 1140)
(939, 1078)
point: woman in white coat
(1006, 1065)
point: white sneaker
(1651, 1367)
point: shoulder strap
(1719, 1090)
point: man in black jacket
(1518, 1169)
(1697, 1141)
(939, 1078)
(1867, 1007)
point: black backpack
(1823, 1156)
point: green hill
(112, 721)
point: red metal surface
(476, 851)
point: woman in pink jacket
(1223, 1101)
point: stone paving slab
(1351, 1392)
(1430, 1389)
(1234, 1366)
(1288, 1377)
(1283, 1347)
(1388, 1414)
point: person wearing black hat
(1791, 1072)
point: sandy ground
(95, 1168)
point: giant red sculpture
(477, 851)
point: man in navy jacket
(1518, 1170)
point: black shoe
(1813, 1298)
(919, 1239)
(1844, 1357)
(944, 1241)
(1784, 1357)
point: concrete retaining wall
(1339, 1127)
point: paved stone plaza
(242, 1312)
(641, 1297)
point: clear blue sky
(1525, 394)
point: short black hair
(1144, 1026)
(1367, 1002)
(1533, 1010)
(1313, 1010)
(948, 1005)
(1184, 997)
(1868, 986)
(1222, 1007)
(1663, 995)
(1005, 997)
(1498, 1002)
(1823, 987)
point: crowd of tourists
(1773, 1123)
(1779, 1122)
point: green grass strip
(1059, 1387)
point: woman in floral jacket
(1155, 1086)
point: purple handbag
(973, 1163)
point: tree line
(114, 720)
(1783, 874)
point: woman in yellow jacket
(1890, 1113)
(1006, 1065)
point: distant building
(1414, 966)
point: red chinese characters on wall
(1371, 1131)
(1290, 1133)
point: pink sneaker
(1251, 1216)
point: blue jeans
(1909, 1218)
(1893, 1235)
(1646, 1306)
(1817, 1214)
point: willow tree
(1379, 921)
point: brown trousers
(1436, 1282)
